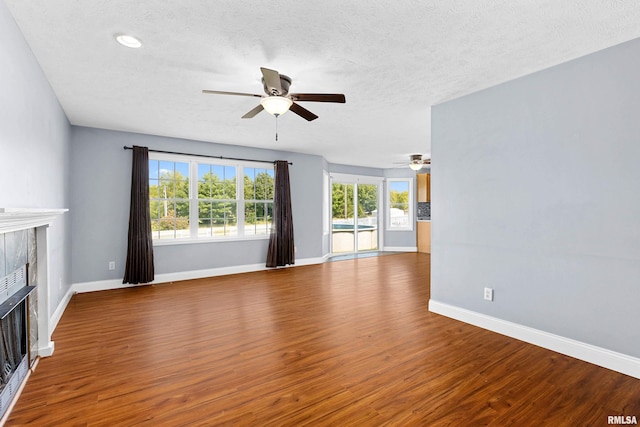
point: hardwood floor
(347, 343)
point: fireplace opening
(14, 334)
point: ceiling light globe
(276, 105)
(129, 41)
(415, 166)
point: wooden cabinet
(424, 227)
(424, 237)
(424, 187)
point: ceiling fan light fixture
(129, 41)
(415, 166)
(276, 105)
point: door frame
(356, 179)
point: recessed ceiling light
(129, 41)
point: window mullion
(193, 199)
(240, 200)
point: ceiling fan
(416, 162)
(278, 100)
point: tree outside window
(400, 202)
(169, 199)
(258, 200)
(190, 199)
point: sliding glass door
(354, 216)
(343, 218)
(367, 223)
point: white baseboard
(618, 362)
(310, 261)
(100, 285)
(57, 314)
(103, 285)
(400, 249)
(209, 272)
(48, 350)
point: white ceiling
(392, 60)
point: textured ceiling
(392, 60)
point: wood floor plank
(347, 343)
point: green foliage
(367, 199)
(218, 196)
(342, 200)
(168, 195)
(258, 196)
(399, 200)
(171, 222)
(260, 189)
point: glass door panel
(342, 218)
(367, 229)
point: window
(217, 204)
(169, 198)
(258, 200)
(400, 204)
(191, 199)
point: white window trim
(411, 207)
(326, 204)
(193, 201)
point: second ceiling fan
(279, 100)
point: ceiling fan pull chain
(277, 127)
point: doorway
(355, 208)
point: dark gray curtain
(139, 267)
(281, 249)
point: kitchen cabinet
(424, 187)
(423, 225)
(424, 236)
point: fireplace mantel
(13, 219)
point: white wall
(34, 147)
(536, 193)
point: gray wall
(100, 202)
(34, 147)
(355, 170)
(536, 193)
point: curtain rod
(206, 155)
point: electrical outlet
(112, 265)
(488, 294)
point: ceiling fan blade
(221, 92)
(319, 97)
(272, 80)
(302, 112)
(253, 112)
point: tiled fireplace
(25, 331)
(18, 330)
